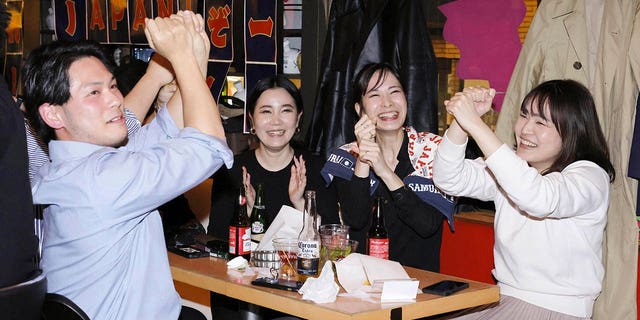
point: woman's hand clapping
(297, 183)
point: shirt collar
(64, 150)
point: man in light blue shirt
(103, 244)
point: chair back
(59, 307)
(24, 300)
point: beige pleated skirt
(510, 308)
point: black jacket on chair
(18, 242)
(361, 32)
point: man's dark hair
(46, 77)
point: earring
(297, 129)
(252, 131)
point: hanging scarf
(422, 147)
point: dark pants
(188, 313)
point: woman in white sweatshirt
(551, 196)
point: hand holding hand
(249, 191)
(168, 37)
(297, 183)
(467, 106)
(201, 43)
(165, 93)
(371, 154)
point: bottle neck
(309, 217)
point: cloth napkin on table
(322, 289)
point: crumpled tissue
(237, 263)
(322, 289)
(238, 267)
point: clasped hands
(469, 105)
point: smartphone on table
(445, 287)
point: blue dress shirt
(104, 246)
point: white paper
(357, 272)
(399, 290)
(380, 269)
(287, 224)
(351, 274)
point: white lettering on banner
(335, 158)
(339, 160)
(421, 187)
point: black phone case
(280, 284)
(445, 287)
(188, 251)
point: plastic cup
(333, 232)
(287, 249)
(336, 250)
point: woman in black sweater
(394, 162)
(274, 108)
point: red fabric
(468, 253)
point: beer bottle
(259, 223)
(378, 242)
(309, 239)
(240, 229)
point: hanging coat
(360, 32)
(557, 47)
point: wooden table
(211, 274)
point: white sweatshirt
(548, 229)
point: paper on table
(351, 273)
(399, 290)
(357, 271)
(380, 269)
(287, 224)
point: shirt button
(577, 65)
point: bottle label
(243, 244)
(308, 257)
(379, 248)
(257, 227)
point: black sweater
(414, 227)
(226, 184)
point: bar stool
(24, 300)
(59, 307)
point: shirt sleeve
(136, 182)
(422, 218)
(576, 190)
(161, 128)
(461, 177)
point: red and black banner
(260, 42)
(118, 21)
(71, 20)
(219, 26)
(97, 30)
(123, 21)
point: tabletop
(210, 273)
